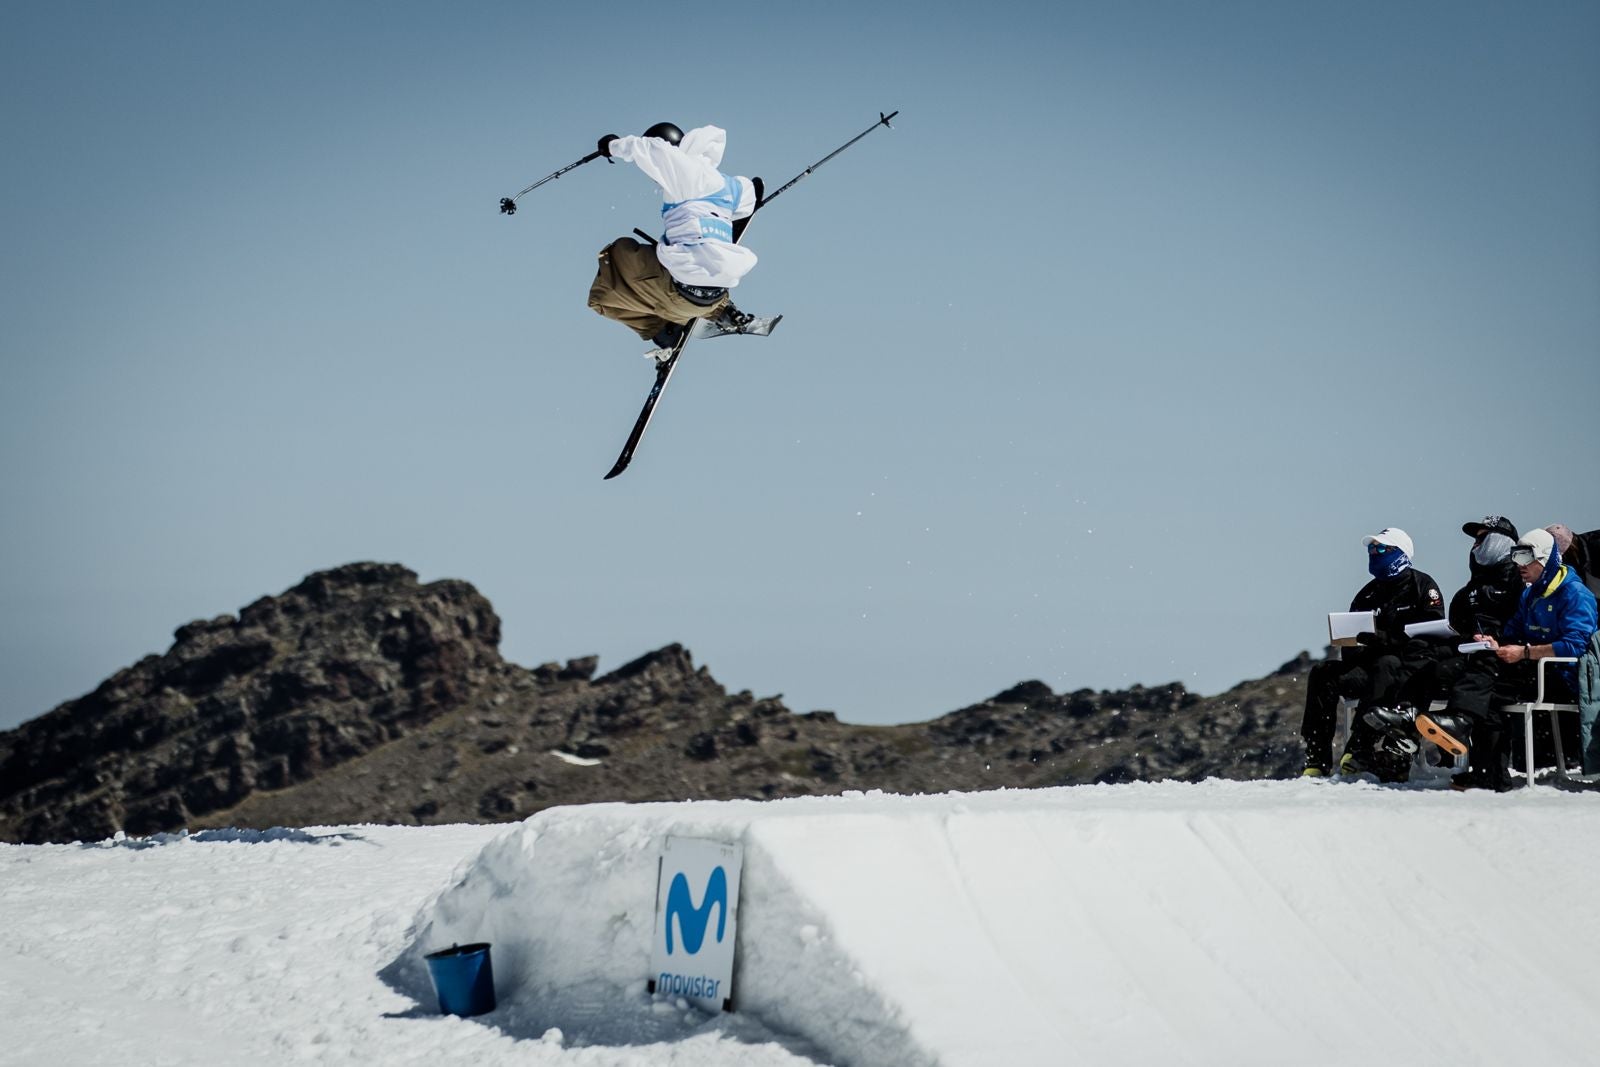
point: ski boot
(1392, 755)
(665, 341)
(1477, 779)
(731, 320)
(1351, 765)
(1400, 721)
(1451, 732)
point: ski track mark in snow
(965, 843)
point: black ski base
(663, 372)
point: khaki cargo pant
(633, 288)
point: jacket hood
(707, 143)
(1552, 567)
(1502, 570)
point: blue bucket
(464, 979)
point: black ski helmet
(666, 131)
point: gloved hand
(1377, 639)
(761, 192)
(604, 144)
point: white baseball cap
(1390, 535)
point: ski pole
(883, 120)
(508, 204)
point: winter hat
(1562, 535)
(1490, 524)
(1390, 535)
(1540, 542)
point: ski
(754, 326)
(664, 373)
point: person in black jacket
(1432, 667)
(1398, 595)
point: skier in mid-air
(682, 281)
(659, 292)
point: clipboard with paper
(1442, 629)
(1344, 627)
(1432, 628)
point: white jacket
(699, 205)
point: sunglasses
(1522, 556)
(1376, 549)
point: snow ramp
(1224, 922)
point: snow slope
(1225, 922)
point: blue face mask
(1388, 564)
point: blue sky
(1094, 370)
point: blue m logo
(692, 921)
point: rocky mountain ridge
(363, 695)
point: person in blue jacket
(1556, 617)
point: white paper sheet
(1343, 626)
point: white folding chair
(1538, 704)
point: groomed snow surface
(1219, 923)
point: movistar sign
(695, 880)
(692, 921)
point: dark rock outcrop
(362, 695)
(347, 661)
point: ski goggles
(1522, 555)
